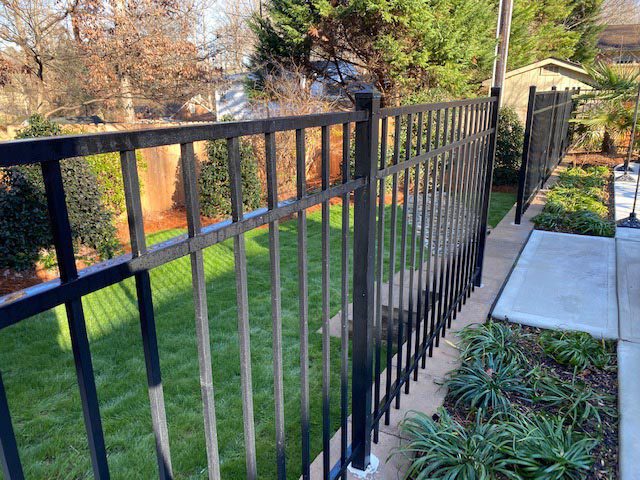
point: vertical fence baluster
(9, 456)
(462, 219)
(363, 275)
(379, 277)
(198, 279)
(455, 214)
(431, 283)
(522, 174)
(476, 166)
(145, 307)
(235, 177)
(491, 150)
(403, 260)
(412, 255)
(447, 227)
(480, 179)
(276, 304)
(420, 258)
(326, 339)
(423, 281)
(303, 296)
(439, 234)
(392, 263)
(63, 242)
(344, 318)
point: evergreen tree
(400, 46)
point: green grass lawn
(501, 203)
(38, 371)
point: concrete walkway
(504, 245)
(564, 281)
(628, 276)
(589, 284)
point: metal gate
(546, 139)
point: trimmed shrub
(508, 148)
(24, 223)
(23, 208)
(215, 191)
(106, 168)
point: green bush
(487, 384)
(24, 219)
(577, 349)
(574, 400)
(491, 338)
(106, 168)
(24, 223)
(576, 204)
(545, 448)
(508, 148)
(445, 449)
(215, 192)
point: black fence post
(9, 457)
(522, 176)
(488, 181)
(364, 240)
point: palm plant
(607, 116)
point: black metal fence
(436, 159)
(546, 139)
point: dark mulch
(602, 381)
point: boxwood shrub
(508, 148)
(24, 222)
(215, 191)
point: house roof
(620, 37)
(574, 67)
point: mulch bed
(605, 381)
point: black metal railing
(437, 159)
(546, 139)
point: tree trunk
(127, 99)
(608, 144)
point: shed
(544, 74)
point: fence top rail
(429, 107)
(46, 149)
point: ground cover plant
(524, 404)
(578, 203)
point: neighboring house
(196, 109)
(620, 44)
(544, 74)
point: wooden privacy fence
(546, 139)
(437, 159)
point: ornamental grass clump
(445, 449)
(548, 448)
(577, 349)
(491, 338)
(488, 383)
(577, 204)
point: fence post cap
(368, 92)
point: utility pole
(502, 45)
